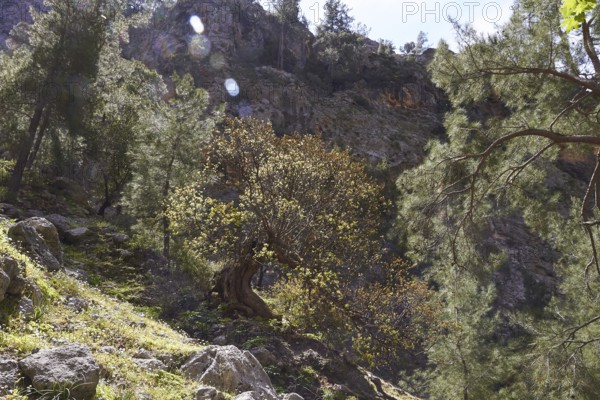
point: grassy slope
(105, 322)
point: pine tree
(539, 86)
(286, 12)
(62, 50)
(336, 17)
(170, 153)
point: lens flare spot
(232, 87)
(197, 24)
(199, 46)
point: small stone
(124, 253)
(119, 238)
(205, 393)
(25, 308)
(10, 266)
(247, 396)
(143, 354)
(17, 285)
(77, 304)
(37, 296)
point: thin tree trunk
(25, 145)
(107, 200)
(38, 140)
(165, 220)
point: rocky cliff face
(386, 112)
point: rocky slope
(77, 301)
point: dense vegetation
(227, 200)
(539, 87)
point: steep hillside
(63, 310)
(102, 306)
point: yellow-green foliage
(316, 214)
(106, 322)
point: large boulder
(39, 237)
(9, 374)
(70, 367)
(230, 370)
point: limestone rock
(77, 304)
(9, 374)
(143, 354)
(37, 296)
(206, 393)
(230, 370)
(4, 283)
(149, 364)
(12, 280)
(26, 309)
(39, 237)
(10, 210)
(70, 367)
(247, 396)
(62, 223)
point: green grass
(105, 322)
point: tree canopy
(525, 101)
(313, 212)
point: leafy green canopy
(315, 213)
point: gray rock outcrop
(71, 367)
(12, 280)
(9, 374)
(39, 238)
(230, 370)
(62, 223)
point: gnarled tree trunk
(234, 285)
